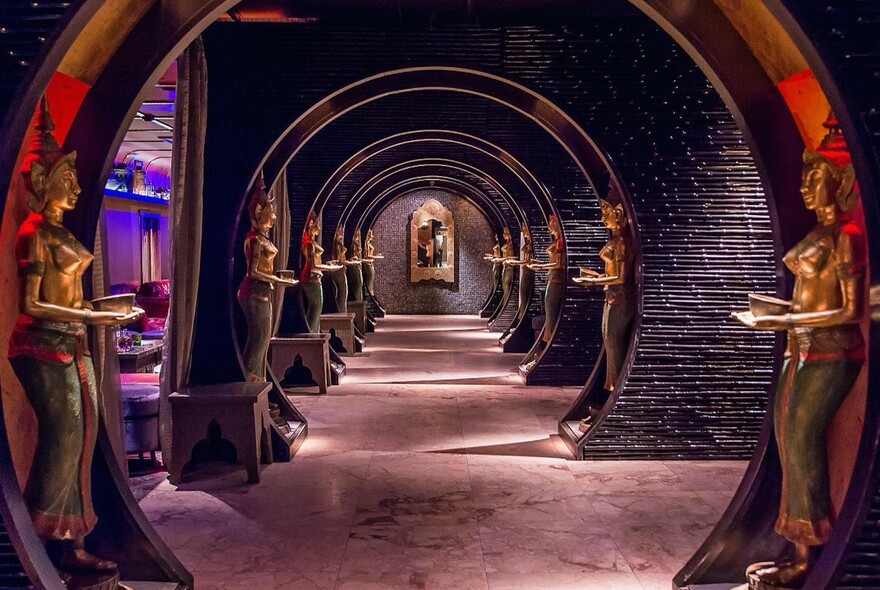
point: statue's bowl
(117, 303)
(287, 274)
(761, 305)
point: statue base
(81, 580)
(755, 583)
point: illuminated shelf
(135, 197)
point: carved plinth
(358, 308)
(239, 410)
(343, 325)
(302, 360)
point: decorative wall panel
(473, 277)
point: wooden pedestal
(241, 410)
(313, 350)
(343, 325)
(358, 308)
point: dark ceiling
(429, 12)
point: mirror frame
(431, 209)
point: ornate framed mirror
(432, 243)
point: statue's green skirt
(314, 300)
(356, 283)
(506, 282)
(526, 289)
(255, 299)
(617, 318)
(340, 281)
(496, 276)
(809, 393)
(553, 296)
(53, 364)
(370, 279)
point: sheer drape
(185, 226)
(150, 263)
(281, 239)
(103, 348)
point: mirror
(432, 243)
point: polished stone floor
(432, 467)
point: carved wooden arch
(401, 140)
(418, 167)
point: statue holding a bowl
(256, 291)
(506, 254)
(311, 272)
(369, 257)
(48, 351)
(616, 280)
(355, 269)
(492, 257)
(824, 356)
(554, 294)
(526, 274)
(340, 279)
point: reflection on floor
(432, 468)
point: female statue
(339, 279)
(369, 257)
(492, 256)
(355, 269)
(501, 261)
(311, 273)
(555, 279)
(526, 274)
(49, 353)
(256, 291)
(619, 307)
(824, 356)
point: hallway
(432, 467)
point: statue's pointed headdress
(311, 219)
(834, 153)
(44, 155)
(259, 199)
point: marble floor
(433, 467)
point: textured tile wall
(473, 275)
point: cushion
(155, 289)
(139, 399)
(154, 324)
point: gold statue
(256, 291)
(617, 315)
(493, 256)
(506, 254)
(49, 353)
(824, 356)
(311, 273)
(355, 269)
(340, 281)
(553, 293)
(369, 257)
(526, 274)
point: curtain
(185, 227)
(281, 239)
(103, 347)
(150, 263)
